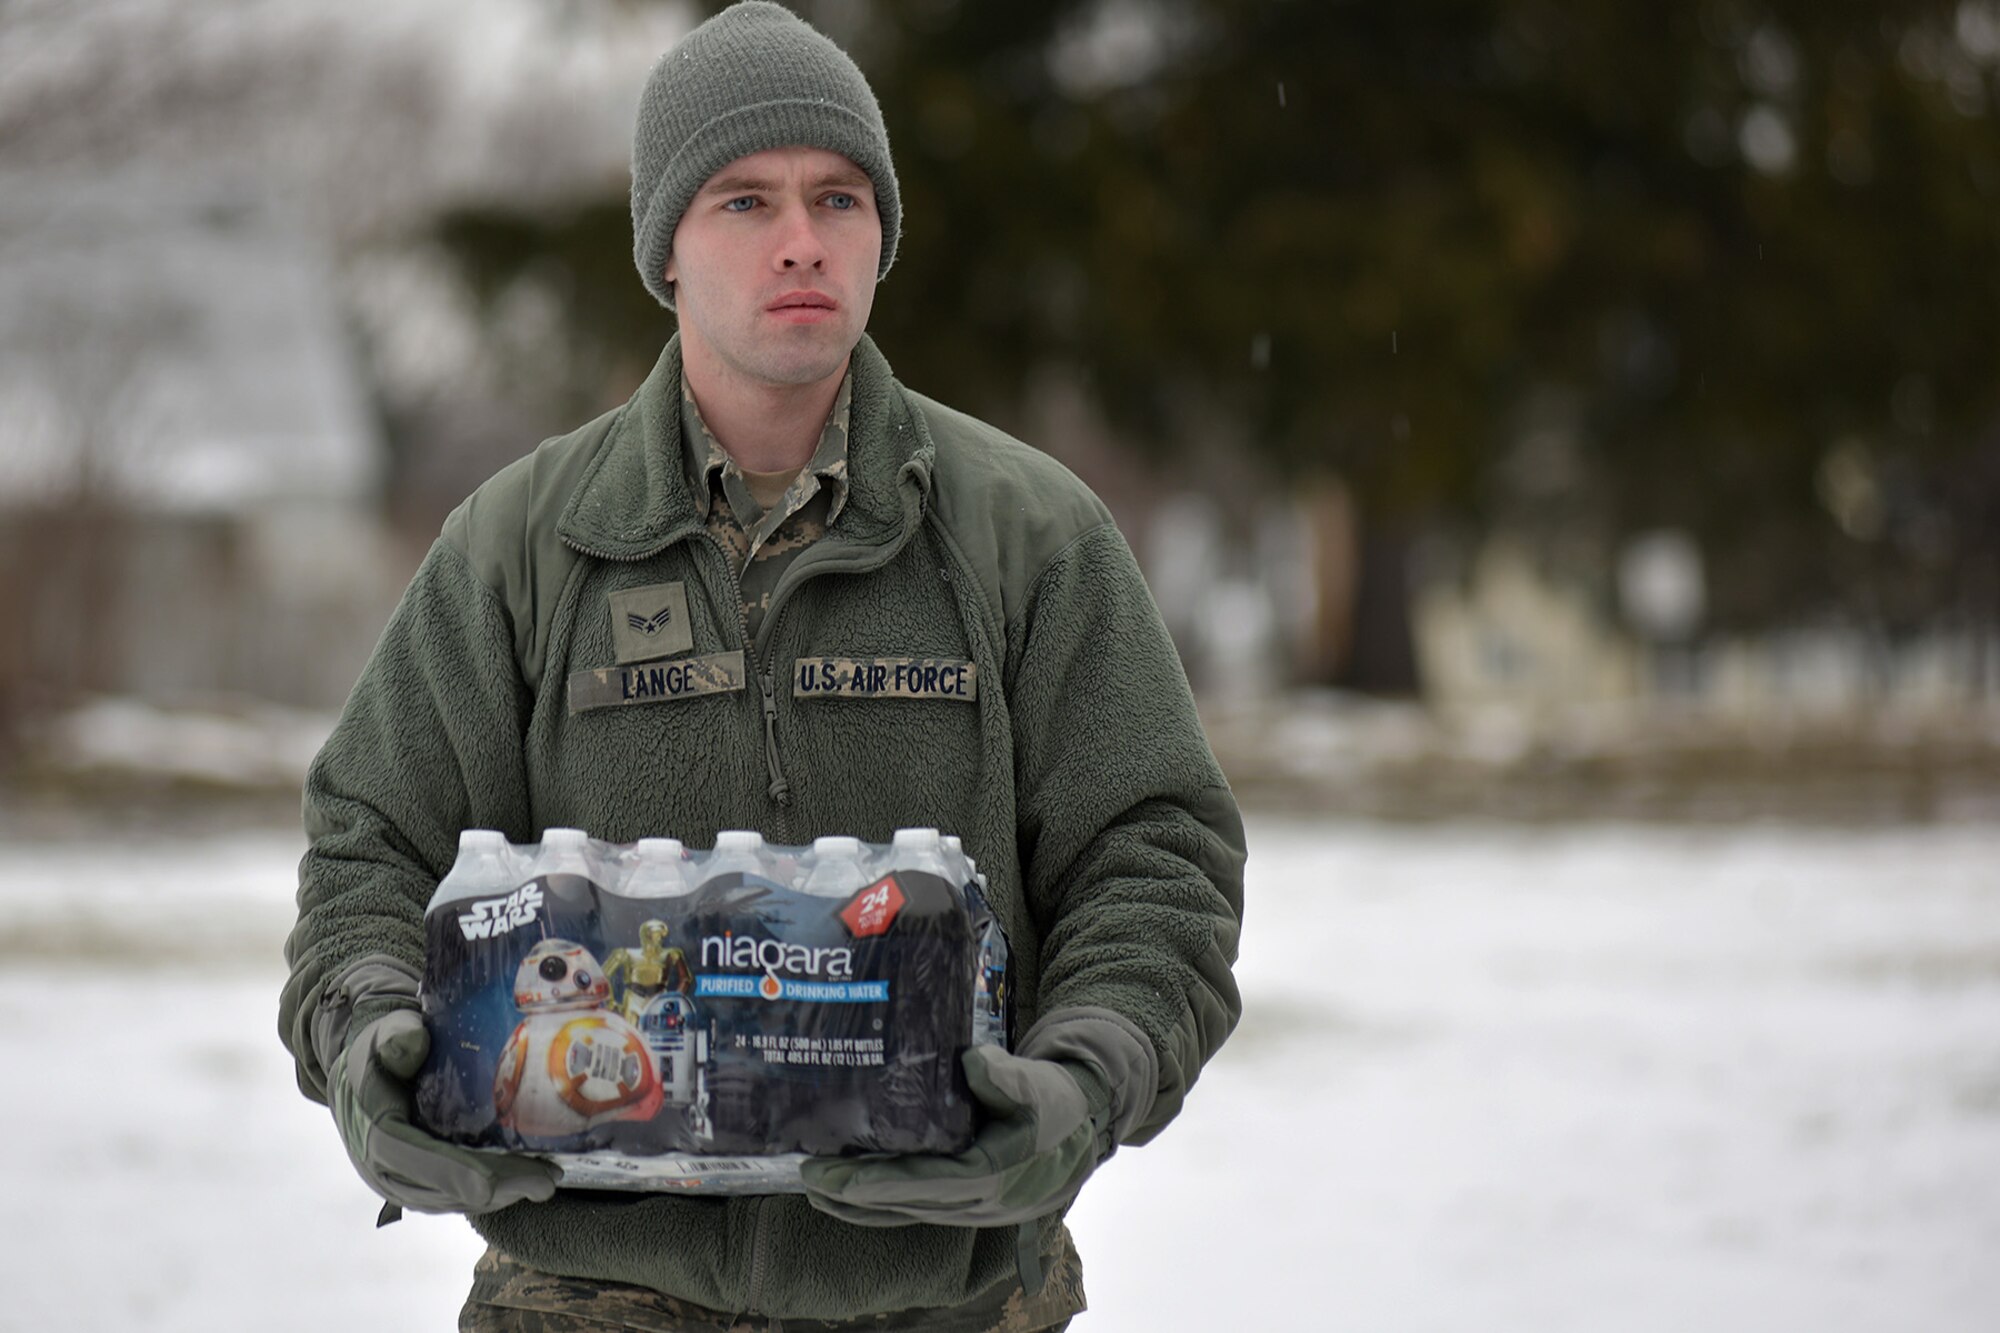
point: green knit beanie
(753, 77)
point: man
(772, 513)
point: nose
(799, 243)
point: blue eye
(842, 201)
(747, 202)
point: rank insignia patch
(650, 622)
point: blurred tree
(1728, 266)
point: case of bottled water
(653, 1017)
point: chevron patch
(649, 622)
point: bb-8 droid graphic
(571, 1062)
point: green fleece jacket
(1069, 758)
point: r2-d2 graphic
(572, 1062)
(668, 1025)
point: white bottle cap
(916, 837)
(835, 845)
(481, 840)
(564, 837)
(739, 840)
(659, 849)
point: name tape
(686, 678)
(885, 678)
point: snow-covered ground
(1582, 1078)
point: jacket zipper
(760, 1257)
(780, 790)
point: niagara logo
(771, 957)
(498, 916)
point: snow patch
(1560, 1079)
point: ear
(669, 274)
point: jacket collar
(634, 500)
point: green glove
(1054, 1111)
(370, 1095)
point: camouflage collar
(709, 463)
(635, 499)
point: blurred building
(192, 461)
(188, 462)
(1513, 629)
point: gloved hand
(369, 1090)
(1082, 1078)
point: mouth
(803, 307)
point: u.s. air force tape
(885, 678)
(656, 682)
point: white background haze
(1548, 1079)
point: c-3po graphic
(656, 967)
(655, 989)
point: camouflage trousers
(509, 1297)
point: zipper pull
(780, 790)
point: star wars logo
(498, 916)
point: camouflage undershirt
(762, 542)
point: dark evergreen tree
(1746, 250)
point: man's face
(774, 262)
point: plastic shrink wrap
(654, 1018)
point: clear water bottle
(992, 1004)
(659, 870)
(485, 865)
(739, 852)
(962, 868)
(834, 868)
(565, 851)
(919, 849)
